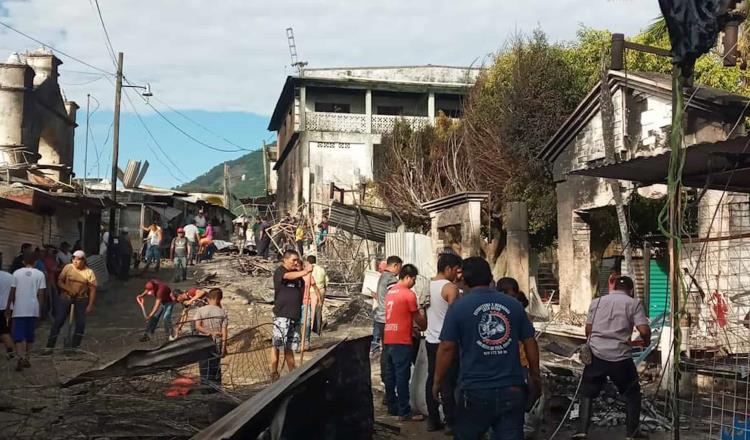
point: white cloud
(232, 54)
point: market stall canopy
(715, 165)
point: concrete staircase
(547, 283)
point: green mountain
(251, 165)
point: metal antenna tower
(300, 65)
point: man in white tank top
(443, 291)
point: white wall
(340, 162)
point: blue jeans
(62, 310)
(153, 255)
(180, 268)
(498, 409)
(378, 329)
(165, 311)
(398, 366)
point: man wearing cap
(77, 283)
(163, 304)
(179, 251)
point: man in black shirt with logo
(288, 289)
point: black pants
(263, 247)
(124, 273)
(62, 310)
(625, 377)
(447, 389)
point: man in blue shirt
(487, 327)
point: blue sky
(223, 63)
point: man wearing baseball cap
(179, 251)
(77, 283)
(163, 304)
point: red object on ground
(180, 386)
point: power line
(151, 135)
(55, 49)
(108, 42)
(201, 125)
(191, 137)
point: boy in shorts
(24, 307)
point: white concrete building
(330, 121)
(642, 121)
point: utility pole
(115, 153)
(265, 169)
(227, 202)
(86, 148)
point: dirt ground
(117, 324)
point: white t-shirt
(200, 221)
(27, 281)
(190, 232)
(6, 282)
(153, 236)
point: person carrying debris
(288, 286)
(443, 292)
(24, 307)
(211, 320)
(487, 326)
(191, 300)
(386, 280)
(163, 304)
(609, 327)
(77, 284)
(401, 312)
(178, 252)
(153, 241)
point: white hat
(79, 254)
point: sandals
(579, 436)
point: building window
(390, 110)
(332, 107)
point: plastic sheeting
(694, 27)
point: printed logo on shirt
(493, 328)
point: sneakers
(433, 426)
(172, 337)
(145, 338)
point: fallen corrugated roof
(362, 222)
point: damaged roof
(704, 98)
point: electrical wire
(55, 49)
(201, 125)
(108, 41)
(151, 135)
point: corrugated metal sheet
(18, 226)
(98, 264)
(414, 249)
(141, 175)
(361, 222)
(131, 172)
(658, 288)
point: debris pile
(255, 266)
(357, 311)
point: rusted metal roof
(716, 165)
(362, 222)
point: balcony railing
(340, 122)
(384, 123)
(357, 122)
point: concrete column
(302, 107)
(368, 111)
(471, 230)
(581, 294)
(431, 106)
(517, 246)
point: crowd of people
(483, 361)
(295, 233)
(50, 283)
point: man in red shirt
(163, 304)
(400, 312)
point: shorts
(4, 327)
(286, 333)
(22, 329)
